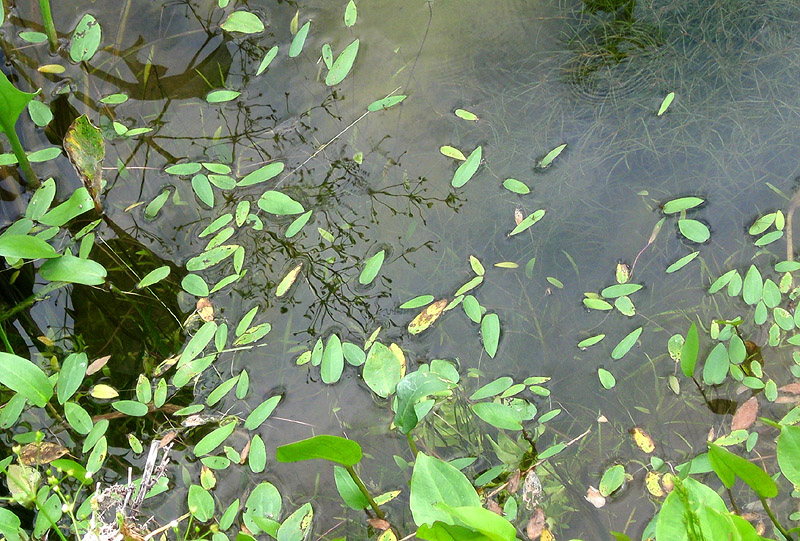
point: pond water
(537, 75)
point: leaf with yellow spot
(207, 478)
(41, 453)
(103, 391)
(506, 265)
(386, 497)
(643, 440)
(427, 317)
(394, 348)
(547, 535)
(86, 149)
(653, 483)
(288, 280)
(388, 535)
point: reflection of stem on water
(793, 203)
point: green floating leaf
(490, 333)
(299, 41)
(39, 113)
(385, 103)
(154, 276)
(44, 154)
(261, 413)
(467, 169)
(262, 174)
(195, 285)
(527, 222)
(716, 366)
(85, 39)
(498, 415)
(86, 149)
(114, 99)
(466, 115)
(552, 155)
(70, 378)
(753, 286)
(693, 230)
(33, 37)
(73, 270)
(626, 344)
(493, 388)
(189, 168)
(682, 262)
(25, 247)
(382, 370)
(788, 451)
(288, 280)
(348, 489)
(295, 227)
(78, 203)
(244, 22)
(371, 268)
(333, 448)
(596, 304)
(221, 96)
(130, 407)
(267, 60)
(666, 103)
(619, 290)
(728, 466)
(211, 257)
(592, 340)
(332, 361)
(683, 203)
(689, 351)
(350, 14)
(607, 379)
(514, 185)
(12, 103)
(214, 439)
(342, 65)
(279, 203)
(24, 377)
(612, 479)
(434, 481)
(201, 503)
(40, 201)
(417, 302)
(202, 189)
(295, 527)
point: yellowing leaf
(103, 391)
(41, 453)
(506, 265)
(288, 280)
(643, 440)
(427, 317)
(394, 348)
(653, 483)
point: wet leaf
(466, 115)
(278, 203)
(244, 22)
(211, 257)
(596, 304)
(592, 340)
(626, 344)
(371, 268)
(267, 60)
(24, 377)
(85, 39)
(625, 306)
(477, 266)
(652, 481)
(130, 407)
(427, 317)
(745, 415)
(332, 361)
(694, 231)
(154, 276)
(612, 479)
(490, 333)
(666, 103)
(552, 155)
(261, 413)
(417, 302)
(297, 224)
(382, 370)
(643, 440)
(619, 290)
(753, 286)
(493, 388)
(527, 222)
(682, 203)
(299, 40)
(452, 152)
(213, 439)
(689, 351)
(202, 189)
(350, 14)
(288, 280)
(385, 103)
(114, 99)
(342, 65)
(333, 448)
(514, 185)
(622, 273)
(78, 203)
(682, 262)
(152, 208)
(222, 96)
(467, 169)
(71, 376)
(25, 247)
(607, 379)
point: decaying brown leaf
(653, 483)
(594, 497)
(427, 317)
(245, 452)
(494, 507)
(96, 365)
(379, 523)
(535, 525)
(513, 482)
(547, 535)
(531, 490)
(791, 388)
(745, 415)
(518, 216)
(668, 482)
(643, 440)
(41, 453)
(205, 309)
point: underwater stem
(774, 519)
(37, 296)
(31, 180)
(360, 484)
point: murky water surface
(537, 74)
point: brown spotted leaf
(86, 149)
(535, 525)
(41, 453)
(791, 388)
(643, 440)
(205, 309)
(427, 317)
(745, 415)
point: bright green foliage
(340, 450)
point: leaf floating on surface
(643, 440)
(371, 268)
(417, 302)
(527, 222)
(342, 65)
(666, 103)
(350, 14)
(552, 155)
(490, 332)
(467, 169)
(452, 152)
(244, 22)
(427, 317)
(385, 103)
(221, 96)
(268, 58)
(626, 344)
(466, 115)
(279, 203)
(682, 262)
(694, 231)
(683, 203)
(85, 39)
(86, 149)
(288, 280)
(516, 186)
(299, 40)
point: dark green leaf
(24, 377)
(340, 450)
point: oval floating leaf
(333, 448)
(288, 280)
(85, 39)
(466, 115)
(552, 155)
(267, 60)
(332, 361)
(278, 203)
(693, 230)
(244, 22)
(221, 96)
(385, 103)
(626, 344)
(683, 203)
(299, 40)
(514, 185)
(490, 333)
(342, 65)
(666, 103)
(467, 169)
(371, 268)
(427, 317)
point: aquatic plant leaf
(152, 209)
(596, 304)
(434, 481)
(382, 370)
(154, 276)
(213, 439)
(666, 103)
(261, 413)
(469, 286)
(257, 459)
(762, 224)
(552, 155)
(348, 489)
(618, 290)
(279, 203)
(295, 527)
(40, 201)
(493, 388)
(467, 169)
(44, 154)
(477, 266)
(716, 366)
(73, 270)
(788, 451)
(114, 99)
(412, 389)
(202, 189)
(514, 185)
(70, 378)
(452, 152)
(417, 302)
(693, 230)
(25, 247)
(350, 15)
(506, 265)
(353, 354)
(86, 149)
(327, 55)
(722, 281)
(607, 379)
(222, 96)
(466, 115)
(689, 351)
(498, 415)
(288, 280)
(753, 286)
(211, 257)
(625, 306)
(332, 361)
(200, 503)
(592, 340)
(682, 262)
(490, 333)
(768, 238)
(297, 224)
(728, 466)
(626, 344)
(40, 114)
(263, 503)
(643, 440)
(263, 174)
(333, 448)
(385, 103)
(472, 308)
(299, 40)
(195, 285)
(78, 203)
(85, 39)
(371, 268)
(612, 479)
(132, 408)
(427, 317)
(27, 379)
(244, 22)
(267, 60)
(12, 103)
(683, 203)
(188, 168)
(527, 222)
